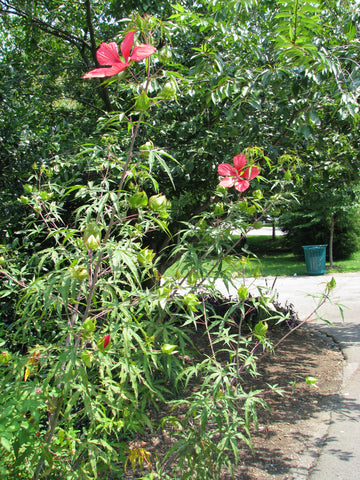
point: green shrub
(94, 338)
(304, 227)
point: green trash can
(315, 259)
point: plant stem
(52, 423)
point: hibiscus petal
(239, 162)
(227, 182)
(108, 54)
(142, 51)
(250, 173)
(127, 44)
(226, 169)
(242, 185)
(106, 71)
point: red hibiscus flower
(108, 54)
(237, 176)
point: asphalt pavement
(338, 455)
(335, 453)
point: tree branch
(80, 43)
(103, 90)
(7, 8)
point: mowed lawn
(270, 257)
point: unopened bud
(159, 203)
(78, 272)
(92, 236)
(142, 103)
(164, 54)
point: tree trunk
(273, 230)
(331, 241)
(103, 90)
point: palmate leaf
(163, 225)
(158, 157)
(123, 258)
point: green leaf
(311, 381)
(261, 329)
(5, 443)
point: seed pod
(138, 200)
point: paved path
(339, 457)
(336, 454)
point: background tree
(236, 76)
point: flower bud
(258, 194)
(168, 349)
(288, 175)
(243, 293)
(159, 203)
(86, 357)
(28, 188)
(44, 195)
(104, 343)
(146, 148)
(142, 103)
(168, 90)
(251, 210)
(88, 327)
(164, 54)
(92, 236)
(145, 256)
(78, 272)
(5, 357)
(138, 200)
(24, 200)
(219, 208)
(260, 329)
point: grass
(273, 258)
(277, 260)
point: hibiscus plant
(100, 343)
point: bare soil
(289, 438)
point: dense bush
(306, 228)
(94, 337)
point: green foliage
(95, 338)
(91, 341)
(238, 74)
